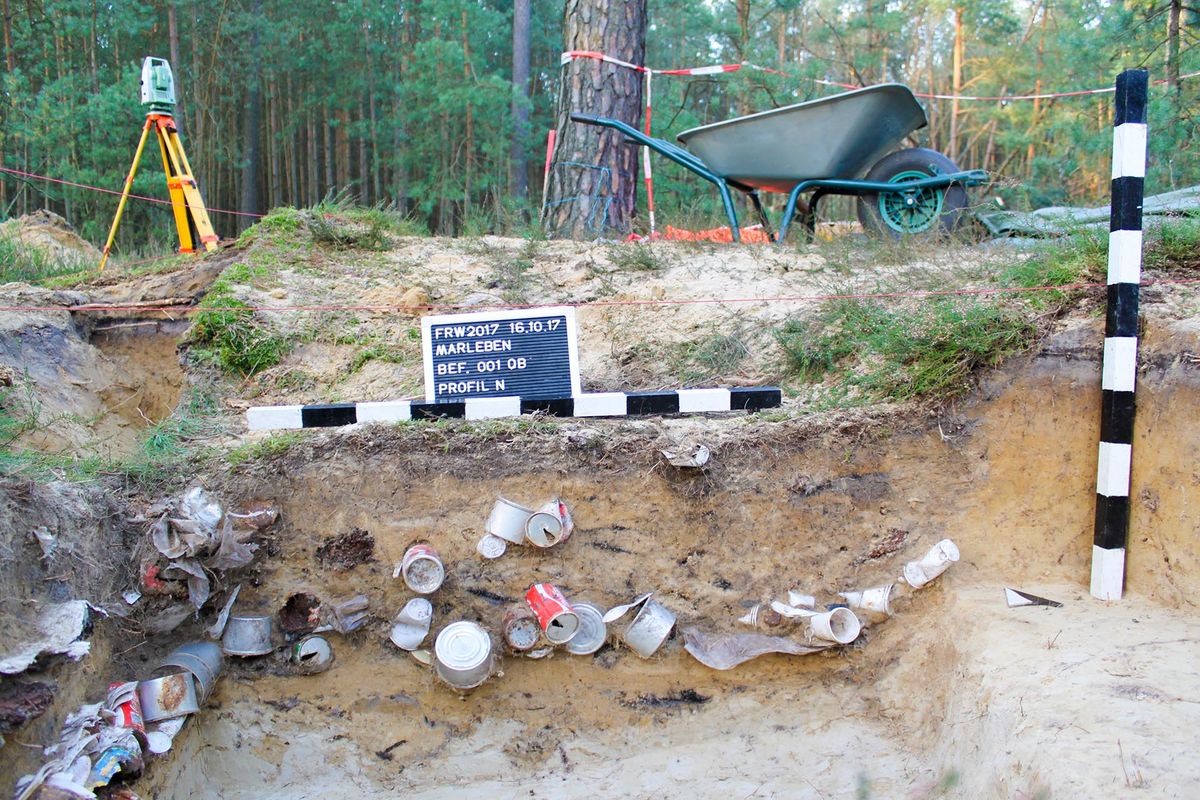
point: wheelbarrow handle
(587, 119)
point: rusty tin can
(422, 569)
(556, 618)
(167, 697)
(521, 629)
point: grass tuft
(878, 352)
(640, 257)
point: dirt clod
(22, 701)
(882, 546)
(347, 550)
(684, 697)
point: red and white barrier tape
(717, 69)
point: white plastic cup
(932, 564)
(838, 625)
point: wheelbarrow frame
(907, 190)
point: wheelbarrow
(834, 145)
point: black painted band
(1129, 105)
(1126, 211)
(754, 398)
(560, 407)
(1112, 521)
(328, 416)
(1122, 312)
(1116, 417)
(438, 410)
(651, 403)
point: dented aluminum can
(462, 655)
(521, 629)
(422, 569)
(249, 635)
(507, 520)
(203, 659)
(649, 629)
(559, 623)
(411, 625)
(549, 525)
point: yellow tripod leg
(174, 184)
(195, 203)
(137, 157)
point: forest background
(412, 105)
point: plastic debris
(58, 629)
(727, 650)
(46, 540)
(218, 627)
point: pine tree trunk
(519, 185)
(1173, 56)
(10, 59)
(583, 202)
(252, 152)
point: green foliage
(231, 336)
(895, 351)
(715, 356)
(1174, 245)
(274, 445)
(640, 257)
(19, 262)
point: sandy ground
(999, 702)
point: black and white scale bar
(1119, 372)
(600, 404)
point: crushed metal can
(411, 625)
(650, 626)
(592, 630)
(559, 623)
(126, 706)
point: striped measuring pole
(1119, 371)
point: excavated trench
(956, 691)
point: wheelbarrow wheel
(939, 211)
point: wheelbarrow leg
(790, 209)
(809, 217)
(730, 213)
(762, 214)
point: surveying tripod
(191, 217)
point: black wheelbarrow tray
(834, 145)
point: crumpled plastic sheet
(59, 626)
(728, 650)
(346, 616)
(200, 538)
(218, 627)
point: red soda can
(125, 703)
(554, 615)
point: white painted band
(1120, 364)
(600, 404)
(1124, 257)
(1108, 573)
(1112, 469)
(1129, 150)
(492, 407)
(267, 418)
(694, 400)
(384, 411)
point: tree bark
(1173, 16)
(10, 60)
(519, 185)
(176, 63)
(252, 152)
(584, 201)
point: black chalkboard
(527, 353)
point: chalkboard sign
(524, 353)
